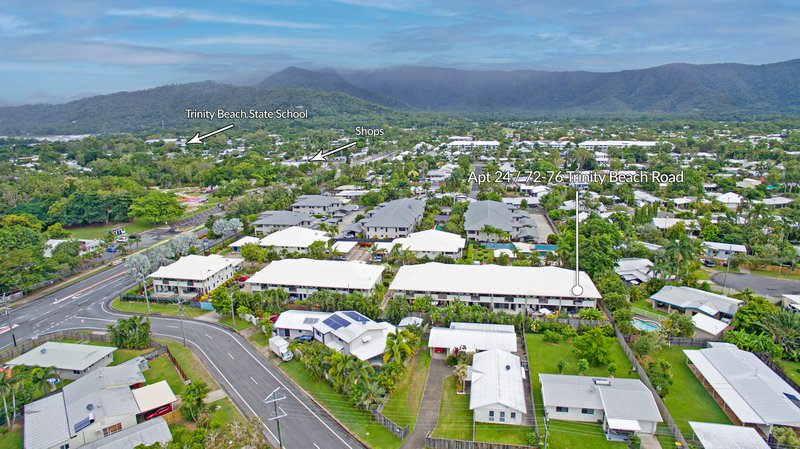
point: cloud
(16, 26)
(320, 45)
(199, 16)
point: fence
(175, 363)
(399, 432)
(662, 407)
(648, 314)
(443, 443)
(577, 322)
(526, 364)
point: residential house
(292, 324)
(691, 301)
(193, 275)
(507, 288)
(752, 394)
(294, 239)
(472, 337)
(302, 277)
(316, 204)
(393, 219)
(246, 240)
(725, 436)
(350, 332)
(624, 406)
(70, 360)
(275, 220)
(497, 394)
(634, 270)
(86, 245)
(723, 251)
(432, 243)
(730, 200)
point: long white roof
(194, 267)
(431, 240)
(497, 379)
(295, 237)
(66, 356)
(749, 388)
(300, 319)
(492, 280)
(724, 436)
(472, 340)
(319, 274)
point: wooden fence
(175, 363)
(399, 432)
(444, 443)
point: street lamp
(6, 301)
(180, 311)
(233, 314)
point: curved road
(245, 375)
(762, 285)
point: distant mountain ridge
(706, 91)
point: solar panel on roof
(333, 323)
(356, 316)
(84, 423)
(310, 320)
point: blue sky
(57, 50)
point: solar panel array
(335, 322)
(356, 316)
(82, 424)
(310, 320)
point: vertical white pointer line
(577, 240)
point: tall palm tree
(397, 348)
(784, 327)
(337, 368)
(359, 371)
(41, 376)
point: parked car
(122, 239)
(305, 338)
(707, 262)
(111, 249)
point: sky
(59, 50)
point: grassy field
(791, 369)
(403, 404)
(359, 422)
(99, 232)
(190, 363)
(644, 305)
(259, 339)
(162, 369)
(163, 309)
(455, 417)
(688, 400)
(224, 411)
(240, 323)
(12, 439)
(543, 358)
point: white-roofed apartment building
(302, 277)
(432, 243)
(506, 288)
(193, 275)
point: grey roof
(749, 388)
(497, 379)
(106, 389)
(482, 213)
(316, 201)
(155, 430)
(692, 298)
(282, 218)
(634, 269)
(723, 436)
(618, 398)
(401, 213)
(66, 356)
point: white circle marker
(577, 290)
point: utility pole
(278, 413)
(727, 268)
(6, 301)
(180, 310)
(233, 313)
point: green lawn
(99, 232)
(259, 339)
(162, 369)
(688, 400)
(791, 369)
(190, 363)
(224, 411)
(646, 306)
(11, 439)
(403, 404)
(240, 323)
(163, 309)
(543, 358)
(358, 421)
(455, 417)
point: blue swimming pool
(646, 326)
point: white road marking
(209, 336)
(254, 381)
(229, 355)
(172, 327)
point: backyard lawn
(543, 358)
(162, 369)
(190, 363)
(403, 404)
(163, 309)
(688, 400)
(224, 411)
(12, 439)
(100, 232)
(791, 368)
(240, 323)
(642, 304)
(358, 421)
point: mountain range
(706, 91)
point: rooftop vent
(508, 367)
(43, 350)
(605, 382)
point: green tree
(753, 312)
(251, 252)
(583, 365)
(593, 346)
(193, 398)
(56, 231)
(397, 309)
(397, 348)
(648, 343)
(130, 333)
(660, 374)
(561, 365)
(784, 328)
(785, 437)
(156, 206)
(678, 324)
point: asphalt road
(760, 284)
(245, 375)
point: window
(587, 411)
(562, 409)
(513, 415)
(502, 416)
(64, 446)
(491, 415)
(110, 430)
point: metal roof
(316, 201)
(723, 436)
(282, 218)
(400, 213)
(488, 213)
(195, 267)
(64, 356)
(692, 298)
(472, 340)
(294, 237)
(154, 396)
(749, 388)
(149, 432)
(431, 240)
(497, 379)
(331, 274)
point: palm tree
(784, 327)
(40, 378)
(337, 368)
(5, 387)
(371, 394)
(397, 348)
(359, 371)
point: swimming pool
(645, 325)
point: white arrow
(199, 139)
(322, 157)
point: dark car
(708, 262)
(305, 338)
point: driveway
(429, 408)
(762, 285)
